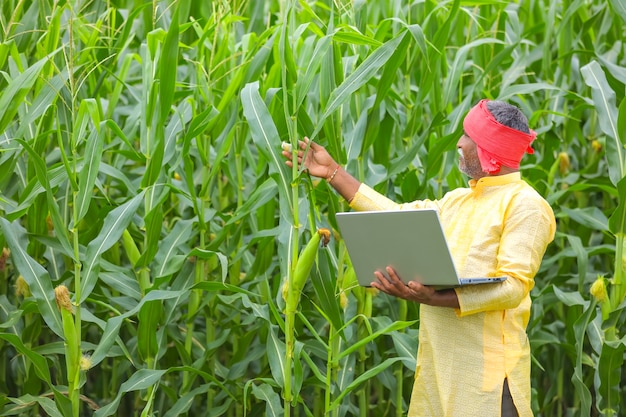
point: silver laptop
(410, 241)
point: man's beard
(471, 166)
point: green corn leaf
(450, 87)
(590, 217)
(10, 316)
(153, 223)
(225, 141)
(119, 281)
(370, 373)
(13, 94)
(45, 184)
(204, 375)
(28, 401)
(368, 69)
(89, 173)
(88, 115)
(39, 362)
(299, 373)
(35, 275)
(260, 196)
(604, 103)
(276, 351)
(610, 368)
(352, 36)
(109, 336)
(200, 123)
(114, 324)
(580, 327)
(313, 367)
(114, 225)
(154, 168)
(142, 379)
(332, 74)
(325, 285)
(406, 346)
(5, 50)
(570, 298)
(264, 47)
(285, 52)
(395, 326)
(214, 286)
(186, 401)
(617, 225)
(133, 154)
(617, 221)
(390, 70)
(273, 407)
(430, 83)
(149, 87)
(262, 127)
(346, 374)
(168, 66)
(524, 89)
(595, 333)
(266, 138)
(474, 3)
(417, 33)
(260, 311)
(241, 77)
(208, 254)
(581, 256)
(168, 258)
(44, 101)
(304, 81)
(620, 8)
(149, 318)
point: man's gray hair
(508, 115)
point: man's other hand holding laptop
(414, 291)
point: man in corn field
(474, 356)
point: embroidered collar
(494, 180)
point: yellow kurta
(498, 226)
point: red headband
(496, 144)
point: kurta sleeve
(368, 199)
(529, 227)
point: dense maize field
(149, 224)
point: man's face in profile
(469, 163)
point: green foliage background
(140, 167)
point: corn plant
(141, 179)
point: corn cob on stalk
(291, 292)
(72, 346)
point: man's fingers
(389, 285)
(392, 274)
(380, 277)
(394, 278)
(313, 145)
(383, 283)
